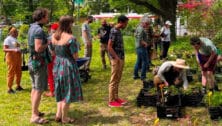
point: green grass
(15, 110)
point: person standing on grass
(53, 29)
(116, 53)
(13, 60)
(66, 74)
(141, 48)
(103, 35)
(206, 56)
(38, 60)
(87, 39)
(165, 39)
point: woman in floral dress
(66, 75)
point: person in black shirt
(103, 35)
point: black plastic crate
(148, 84)
(170, 100)
(170, 112)
(194, 100)
(146, 99)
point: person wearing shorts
(206, 55)
(38, 60)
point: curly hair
(39, 13)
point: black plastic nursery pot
(146, 99)
(190, 78)
(170, 100)
(172, 112)
(215, 112)
(148, 84)
(194, 100)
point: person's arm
(75, 56)
(163, 68)
(196, 54)
(111, 51)
(185, 81)
(139, 34)
(212, 55)
(73, 47)
(6, 49)
(39, 47)
(85, 35)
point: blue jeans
(142, 58)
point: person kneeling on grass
(172, 73)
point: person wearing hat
(206, 55)
(165, 39)
(13, 59)
(172, 73)
(141, 43)
(53, 28)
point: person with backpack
(165, 39)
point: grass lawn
(15, 109)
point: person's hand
(166, 83)
(49, 42)
(145, 44)
(177, 81)
(89, 44)
(17, 50)
(206, 65)
(117, 58)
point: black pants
(165, 48)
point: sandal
(39, 120)
(41, 114)
(69, 121)
(58, 119)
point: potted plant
(147, 97)
(173, 96)
(214, 101)
(169, 102)
(192, 97)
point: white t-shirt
(11, 42)
(166, 32)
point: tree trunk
(169, 7)
(71, 7)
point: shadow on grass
(93, 117)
